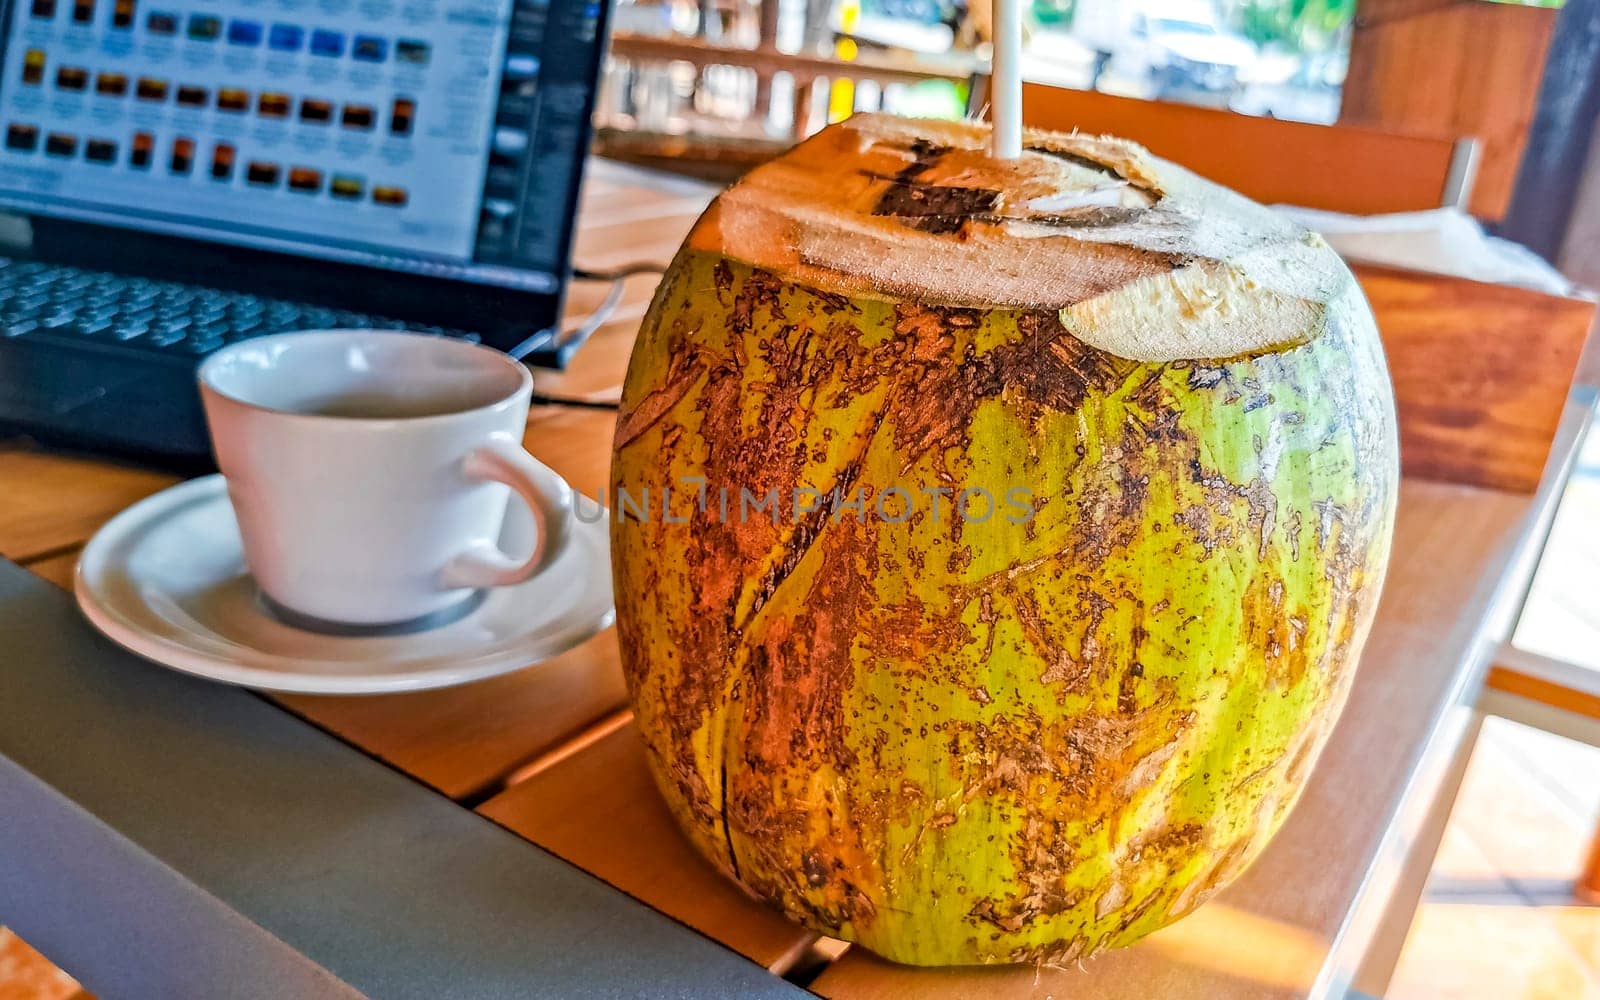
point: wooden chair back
(1481, 373)
(1336, 167)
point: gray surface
(165, 837)
(1556, 154)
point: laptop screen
(437, 137)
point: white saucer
(166, 579)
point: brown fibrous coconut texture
(1197, 270)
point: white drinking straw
(1006, 80)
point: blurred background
(713, 87)
(1279, 58)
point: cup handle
(548, 497)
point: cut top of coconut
(1142, 258)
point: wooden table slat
(53, 501)
(27, 975)
(466, 740)
(599, 809)
(630, 241)
(58, 568)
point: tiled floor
(1499, 921)
(1562, 618)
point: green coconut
(995, 540)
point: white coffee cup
(371, 472)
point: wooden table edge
(1407, 847)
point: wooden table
(551, 753)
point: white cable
(595, 320)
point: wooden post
(1496, 54)
(1588, 887)
(768, 43)
(803, 89)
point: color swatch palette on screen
(399, 119)
(26, 138)
(248, 32)
(241, 100)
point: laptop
(195, 174)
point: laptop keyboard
(55, 302)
